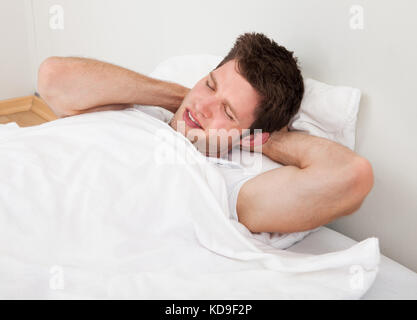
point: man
(257, 86)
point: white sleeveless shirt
(234, 174)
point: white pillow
(326, 111)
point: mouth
(190, 120)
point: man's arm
(321, 181)
(77, 85)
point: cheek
(198, 91)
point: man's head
(258, 85)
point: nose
(206, 107)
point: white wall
(380, 60)
(16, 76)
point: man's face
(222, 104)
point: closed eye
(207, 84)
(225, 111)
(225, 107)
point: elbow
(364, 176)
(50, 74)
(361, 183)
(47, 75)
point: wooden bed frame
(25, 111)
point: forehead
(233, 87)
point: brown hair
(273, 72)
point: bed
(234, 266)
(85, 219)
(393, 281)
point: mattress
(393, 281)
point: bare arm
(321, 181)
(77, 85)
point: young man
(257, 86)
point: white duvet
(116, 204)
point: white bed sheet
(107, 245)
(393, 281)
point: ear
(252, 141)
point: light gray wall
(379, 59)
(16, 75)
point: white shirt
(234, 174)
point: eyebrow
(227, 102)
